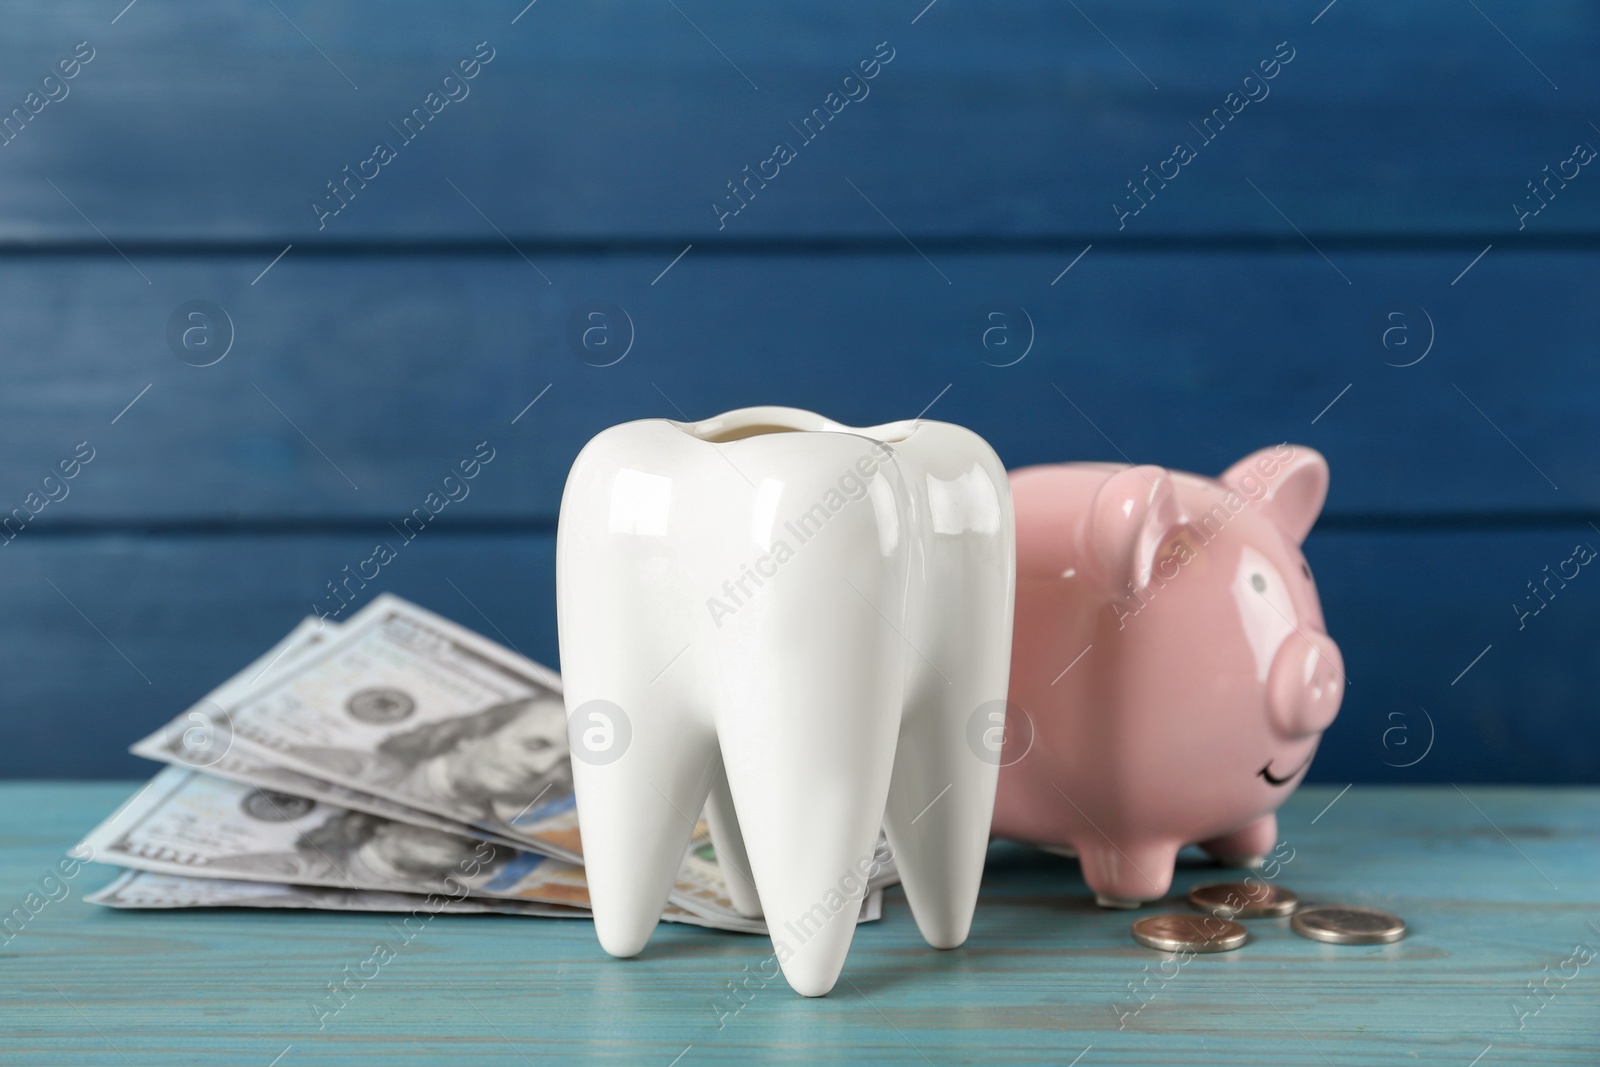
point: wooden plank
(355, 385)
(114, 635)
(608, 122)
(1035, 984)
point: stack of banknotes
(393, 762)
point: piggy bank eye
(1305, 568)
(1258, 583)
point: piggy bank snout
(1305, 685)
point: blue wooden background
(1343, 265)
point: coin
(1194, 933)
(1344, 924)
(1241, 900)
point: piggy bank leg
(1247, 847)
(1126, 875)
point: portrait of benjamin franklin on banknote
(488, 766)
(365, 847)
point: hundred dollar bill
(188, 823)
(146, 890)
(200, 735)
(401, 704)
(143, 889)
(237, 768)
(185, 823)
(200, 739)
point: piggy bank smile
(1273, 780)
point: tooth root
(728, 840)
(808, 739)
(941, 799)
(810, 819)
(638, 818)
(938, 814)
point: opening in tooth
(897, 432)
(739, 433)
(892, 433)
(727, 428)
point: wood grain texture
(1247, 303)
(355, 384)
(165, 618)
(608, 121)
(1497, 885)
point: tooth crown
(797, 620)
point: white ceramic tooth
(804, 599)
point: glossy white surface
(802, 622)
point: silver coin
(1344, 924)
(1241, 900)
(1192, 933)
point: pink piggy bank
(1170, 662)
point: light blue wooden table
(1499, 886)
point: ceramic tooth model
(801, 621)
(1171, 661)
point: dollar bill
(146, 890)
(186, 823)
(200, 735)
(403, 705)
(200, 740)
(237, 768)
(183, 822)
(143, 889)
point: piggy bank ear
(1132, 514)
(1287, 482)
